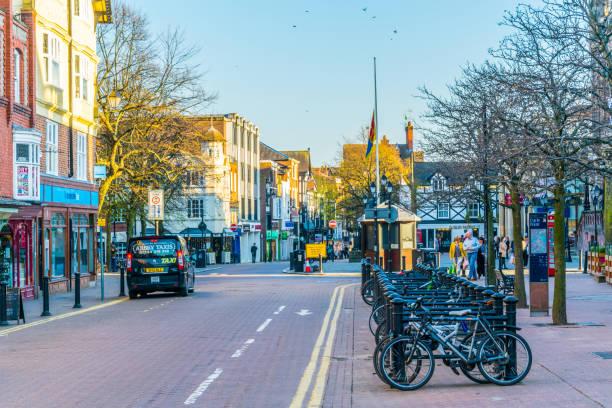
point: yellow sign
(101, 222)
(314, 250)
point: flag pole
(376, 136)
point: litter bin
(201, 258)
(298, 263)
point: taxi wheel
(185, 289)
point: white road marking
(263, 325)
(303, 312)
(202, 387)
(242, 349)
(280, 309)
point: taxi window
(153, 248)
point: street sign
(332, 224)
(233, 227)
(316, 250)
(156, 205)
(101, 222)
(99, 171)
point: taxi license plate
(153, 270)
(154, 279)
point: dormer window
(438, 183)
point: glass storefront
(58, 246)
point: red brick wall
(10, 112)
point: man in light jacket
(470, 245)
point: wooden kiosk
(396, 236)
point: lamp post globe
(373, 188)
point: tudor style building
(446, 206)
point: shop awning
(194, 232)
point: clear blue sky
(312, 85)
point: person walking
(253, 252)
(457, 254)
(503, 253)
(496, 243)
(481, 257)
(470, 245)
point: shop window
(58, 246)
(80, 243)
(26, 167)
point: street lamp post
(389, 191)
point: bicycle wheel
(367, 293)
(376, 317)
(496, 363)
(408, 369)
(471, 370)
(376, 357)
(381, 331)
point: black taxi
(159, 263)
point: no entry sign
(332, 224)
(233, 227)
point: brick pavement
(565, 373)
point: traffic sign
(233, 227)
(156, 205)
(332, 224)
(316, 250)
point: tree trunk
(108, 239)
(130, 221)
(559, 309)
(517, 236)
(607, 210)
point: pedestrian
(481, 257)
(457, 254)
(253, 252)
(113, 258)
(525, 251)
(470, 245)
(503, 253)
(496, 243)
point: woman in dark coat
(480, 257)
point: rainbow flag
(372, 136)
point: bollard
(45, 288)
(498, 304)
(397, 364)
(511, 302)
(122, 281)
(3, 316)
(77, 291)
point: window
(17, 74)
(51, 59)
(249, 142)
(77, 8)
(58, 246)
(242, 171)
(195, 178)
(81, 156)
(438, 183)
(81, 77)
(195, 208)
(26, 168)
(443, 210)
(249, 174)
(51, 147)
(473, 210)
(80, 243)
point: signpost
(538, 269)
(551, 242)
(156, 207)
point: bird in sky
(373, 17)
(306, 11)
(395, 31)
(364, 9)
(293, 26)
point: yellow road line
(306, 379)
(62, 316)
(317, 392)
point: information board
(538, 248)
(314, 250)
(14, 304)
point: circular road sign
(332, 224)
(155, 199)
(233, 227)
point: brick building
(47, 137)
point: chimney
(409, 136)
